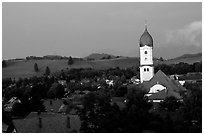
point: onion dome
(146, 39)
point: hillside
(25, 68)
(187, 58)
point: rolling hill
(186, 58)
(25, 68)
(99, 56)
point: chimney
(40, 122)
(68, 122)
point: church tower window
(145, 52)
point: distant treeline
(49, 57)
(180, 68)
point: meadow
(25, 68)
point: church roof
(173, 86)
(146, 39)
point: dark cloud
(190, 34)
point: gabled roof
(53, 105)
(173, 87)
(58, 105)
(161, 78)
(51, 123)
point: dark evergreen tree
(70, 61)
(47, 71)
(161, 59)
(36, 67)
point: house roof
(173, 86)
(162, 79)
(58, 106)
(53, 105)
(51, 123)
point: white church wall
(146, 73)
(146, 55)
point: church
(159, 86)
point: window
(145, 69)
(145, 52)
(145, 58)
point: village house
(49, 122)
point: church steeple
(146, 58)
(145, 25)
(146, 38)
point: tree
(170, 104)
(192, 107)
(136, 113)
(47, 71)
(197, 67)
(36, 67)
(70, 61)
(56, 91)
(4, 64)
(98, 115)
(161, 59)
(121, 91)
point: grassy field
(25, 68)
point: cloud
(190, 34)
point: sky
(79, 29)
